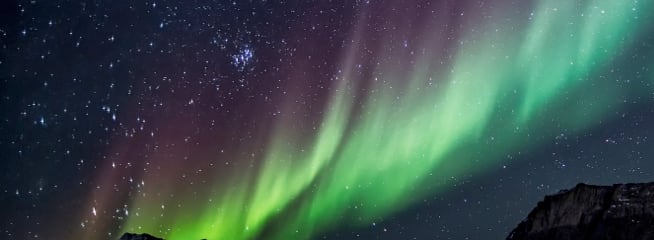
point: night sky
(315, 119)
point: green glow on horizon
(368, 161)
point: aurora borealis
(315, 120)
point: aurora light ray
(398, 130)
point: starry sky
(262, 119)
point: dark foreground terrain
(621, 211)
(145, 236)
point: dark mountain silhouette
(132, 236)
(621, 211)
(144, 236)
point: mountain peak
(620, 211)
(133, 236)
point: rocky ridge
(621, 211)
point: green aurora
(420, 123)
